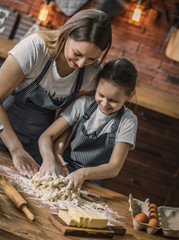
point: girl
(105, 131)
(42, 73)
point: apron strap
(89, 111)
(115, 125)
(41, 75)
(77, 87)
(30, 88)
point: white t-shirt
(32, 54)
(127, 127)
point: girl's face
(110, 98)
(80, 53)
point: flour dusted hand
(56, 167)
(75, 180)
(24, 163)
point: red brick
(141, 38)
(151, 72)
(109, 57)
(117, 30)
(153, 53)
(170, 6)
(171, 68)
(152, 62)
(17, 5)
(143, 78)
(156, 32)
(126, 25)
(115, 51)
(165, 86)
(124, 42)
(171, 2)
(30, 2)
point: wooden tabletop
(20, 228)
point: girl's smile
(109, 97)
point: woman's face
(80, 53)
(110, 98)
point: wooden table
(20, 228)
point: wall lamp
(45, 8)
(137, 11)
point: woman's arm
(108, 170)
(10, 76)
(62, 142)
(51, 163)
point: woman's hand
(56, 166)
(24, 163)
(75, 180)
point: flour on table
(52, 191)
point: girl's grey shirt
(127, 128)
(32, 54)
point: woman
(42, 73)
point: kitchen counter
(21, 228)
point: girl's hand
(24, 163)
(75, 180)
(56, 167)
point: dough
(51, 188)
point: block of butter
(79, 216)
(85, 218)
(66, 218)
(95, 219)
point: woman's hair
(121, 73)
(93, 26)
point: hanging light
(137, 12)
(42, 17)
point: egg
(153, 222)
(153, 215)
(153, 205)
(152, 209)
(141, 217)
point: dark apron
(91, 150)
(31, 111)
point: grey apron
(31, 111)
(90, 150)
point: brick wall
(144, 44)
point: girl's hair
(93, 26)
(121, 73)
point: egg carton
(168, 217)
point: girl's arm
(52, 163)
(11, 75)
(108, 170)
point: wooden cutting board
(88, 232)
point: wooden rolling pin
(16, 197)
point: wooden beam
(157, 100)
(5, 46)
